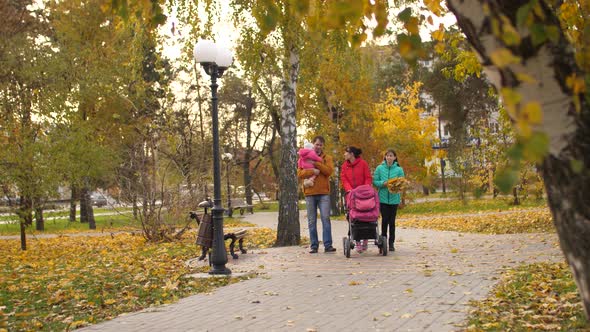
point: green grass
(473, 205)
(11, 216)
(272, 206)
(452, 205)
(63, 225)
(125, 221)
(103, 223)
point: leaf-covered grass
(103, 223)
(65, 213)
(109, 223)
(518, 221)
(67, 282)
(537, 297)
(469, 206)
(273, 206)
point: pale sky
(227, 34)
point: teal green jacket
(383, 173)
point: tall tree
(535, 53)
(262, 68)
(464, 103)
(249, 127)
(282, 17)
(92, 46)
(24, 101)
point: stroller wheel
(344, 244)
(384, 245)
(346, 247)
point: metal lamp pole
(215, 60)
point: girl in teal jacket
(389, 202)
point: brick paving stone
(425, 285)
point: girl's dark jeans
(388, 213)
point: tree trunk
(247, 177)
(23, 236)
(565, 117)
(83, 206)
(73, 203)
(86, 210)
(26, 210)
(516, 200)
(248, 153)
(135, 207)
(569, 205)
(39, 221)
(26, 218)
(334, 210)
(276, 119)
(288, 228)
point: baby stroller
(362, 213)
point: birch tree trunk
(566, 168)
(288, 228)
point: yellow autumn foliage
(400, 124)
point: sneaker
(391, 248)
(329, 249)
(313, 251)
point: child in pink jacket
(307, 158)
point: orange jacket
(321, 185)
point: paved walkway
(423, 286)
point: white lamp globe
(205, 51)
(224, 57)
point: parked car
(98, 199)
(4, 200)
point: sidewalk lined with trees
(88, 100)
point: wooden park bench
(239, 204)
(205, 234)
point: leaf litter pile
(536, 297)
(68, 282)
(511, 222)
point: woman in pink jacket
(355, 172)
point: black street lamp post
(215, 60)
